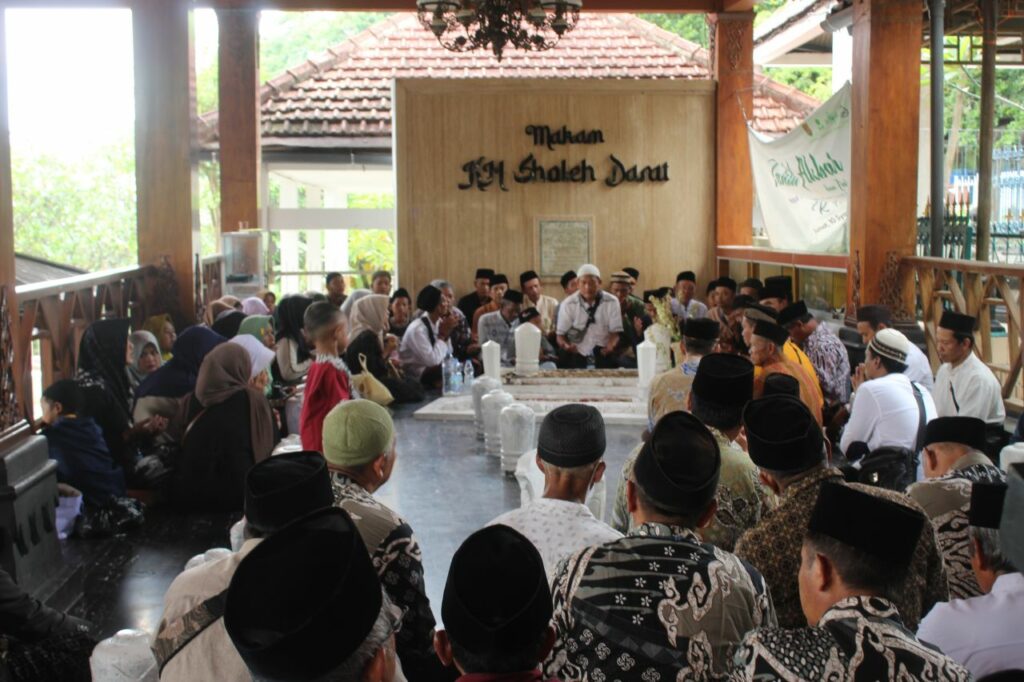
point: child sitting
(76, 444)
(328, 382)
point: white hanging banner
(802, 181)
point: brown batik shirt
(773, 547)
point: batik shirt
(656, 605)
(742, 500)
(398, 560)
(460, 338)
(859, 638)
(832, 363)
(773, 547)
(946, 500)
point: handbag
(891, 467)
(370, 387)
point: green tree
(80, 212)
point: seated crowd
(783, 515)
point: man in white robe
(964, 385)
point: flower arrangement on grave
(664, 334)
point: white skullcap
(892, 344)
(588, 269)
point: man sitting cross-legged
(570, 452)
(659, 604)
(849, 575)
(496, 609)
(986, 633)
(789, 448)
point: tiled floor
(443, 484)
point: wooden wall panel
(660, 228)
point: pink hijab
(254, 306)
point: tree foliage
(80, 212)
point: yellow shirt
(792, 352)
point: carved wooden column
(733, 53)
(239, 119)
(886, 108)
(12, 401)
(165, 141)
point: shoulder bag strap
(179, 633)
(921, 417)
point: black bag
(887, 467)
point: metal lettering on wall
(483, 173)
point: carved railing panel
(57, 313)
(986, 291)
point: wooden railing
(988, 291)
(56, 313)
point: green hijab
(257, 325)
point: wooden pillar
(165, 141)
(986, 124)
(13, 398)
(886, 108)
(239, 119)
(734, 71)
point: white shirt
(692, 310)
(885, 413)
(970, 390)
(416, 352)
(557, 529)
(985, 634)
(547, 307)
(919, 369)
(572, 314)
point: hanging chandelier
(531, 25)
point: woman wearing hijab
(161, 392)
(228, 323)
(261, 358)
(369, 325)
(107, 392)
(162, 327)
(260, 327)
(293, 356)
(255, 306)
(222, 305)
(346, 307)
(229, 428)
(144, 357)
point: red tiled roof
(343, 99)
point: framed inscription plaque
(564, 244)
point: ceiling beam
(394, 5)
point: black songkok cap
(571, 436)
(969, 431)
(727, 282)
(484, 273)
(400, 293)
(778, 383)
(649, 294)
(701, 328)
(875, 315)
(662, 292)
(782, 434)
(499, 279)
(724, 379)
(986, 504)
(304, 599)
(678, 467)
(743, 302)
(957, 322)
(752, 283)
(686, 276)
(771, 331)
(884, 529)
(780, 286)
(428, 298)
(793, 313)
(632, 272)
(528, 315)
(281, 489)
(513, 296)
(496, 599)
(712, 285)
(527, 276)
(568, 277)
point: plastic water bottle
(446, 372)
(456, 374)
(590, 362)
(468, 376)
(125, 657)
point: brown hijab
(225, 371)
(368, 313)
